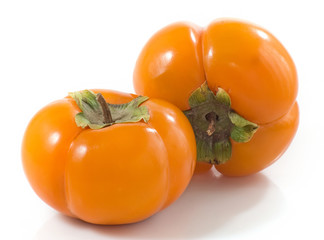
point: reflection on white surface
(211, 206)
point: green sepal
(223, 151)
(223, 97)
(82, 121)
(92, 111)
(201, 95)
(213, 152)
(97, 113)
(214, 123)
(205, 151)
(243, 130)
(131, 111)
(85, 99)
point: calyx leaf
(243, 129)
(214, 123)
(223, 151)
(223, 97)
(201, 95)
(131, 111)
(97, 113)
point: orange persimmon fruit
(243, 66)
(109, 169)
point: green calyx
(214, 123)
(96, 113)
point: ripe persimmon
(243, 66)
(111, 163)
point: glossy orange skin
(120, 174)
(245, 60)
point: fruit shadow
(212, 204)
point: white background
(48, 48)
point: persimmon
(113, 163)
(237, 85)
